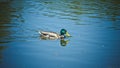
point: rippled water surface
(93, 24)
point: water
(93, 24)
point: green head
(64, 32)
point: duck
(53, 35)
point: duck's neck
(62, 36)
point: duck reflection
(64, 42)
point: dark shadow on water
(10, 21)
(2, 48)
(5, 19)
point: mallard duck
(52, 35)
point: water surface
(93, 24)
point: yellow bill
(67, 34)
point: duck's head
(64, 33)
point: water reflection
(5, 19)
(64, 42)
(82, 12)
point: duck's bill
(67, 34)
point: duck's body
(49, 35)
(53, 35)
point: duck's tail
(39, 32)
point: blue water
(94, 26)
